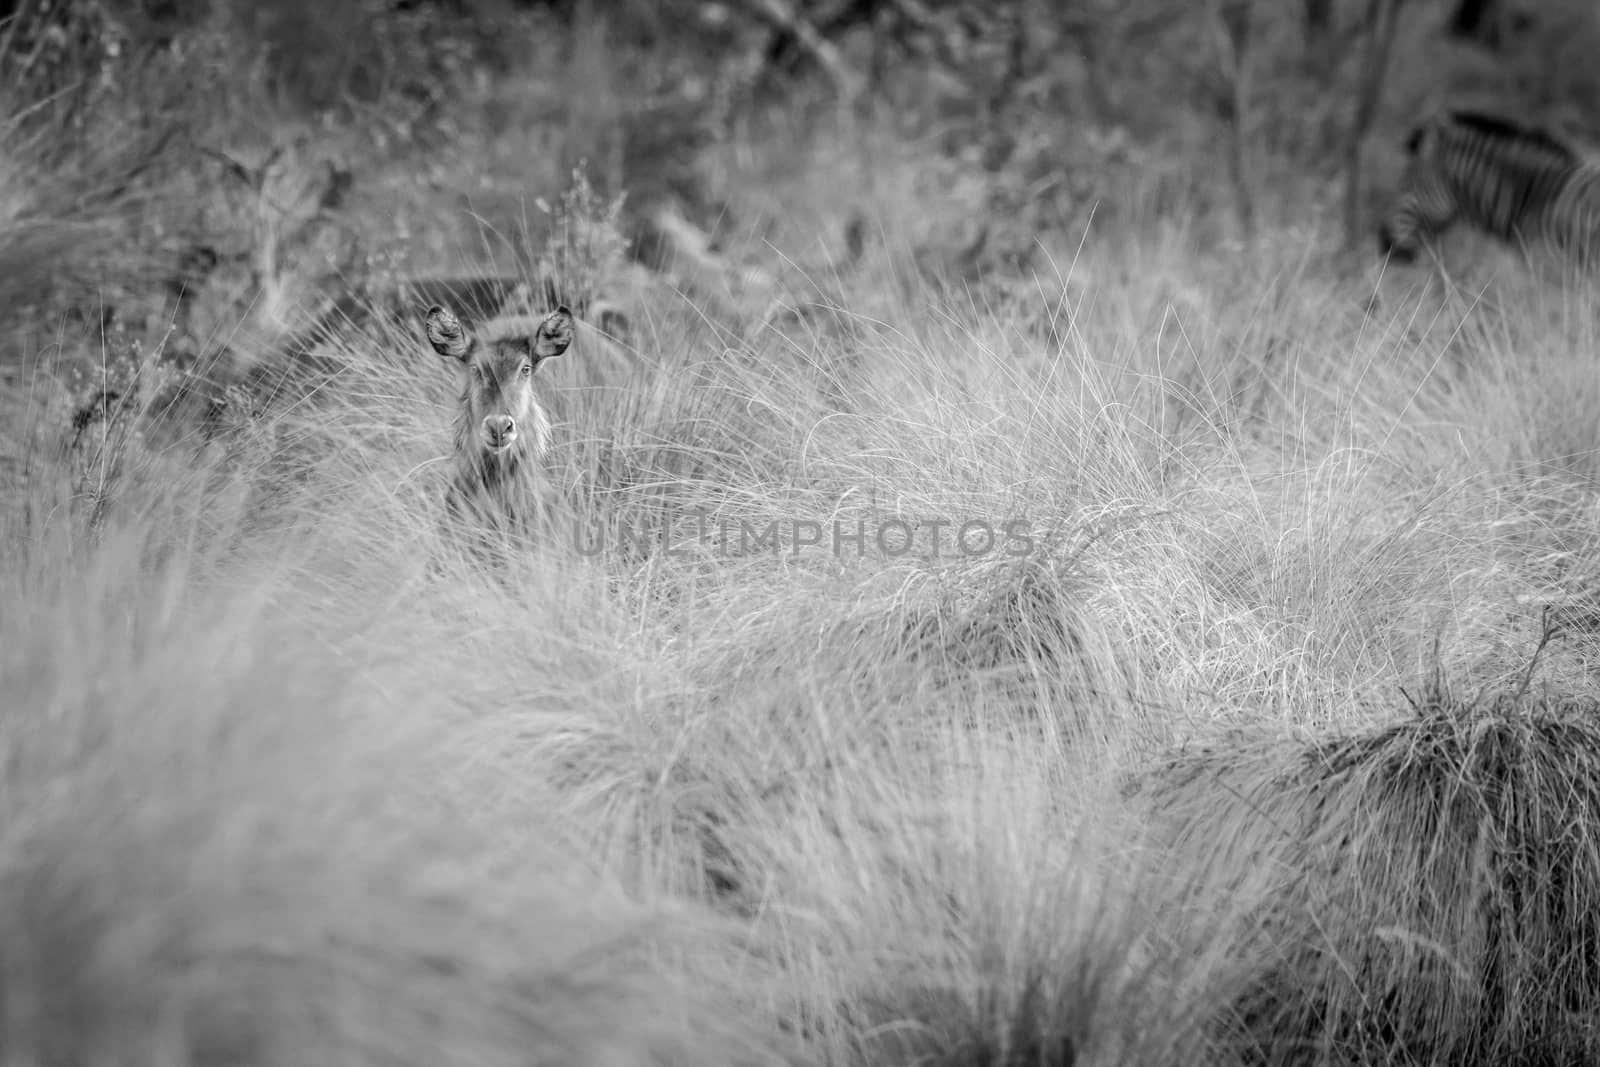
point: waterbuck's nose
(500, 430)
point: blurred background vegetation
(206, 175)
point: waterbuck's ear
(554, 335)
(446, 335)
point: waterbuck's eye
(527, 370)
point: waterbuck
(501, 431)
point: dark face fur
(500, 418)
(1423, 207)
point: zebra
(1520, 184)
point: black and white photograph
(799, 533)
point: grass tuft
(1429, 880)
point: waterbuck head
(500, 421)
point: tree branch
(1381, 17)
(781, 15)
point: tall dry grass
(291, 778)
(890, 773)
